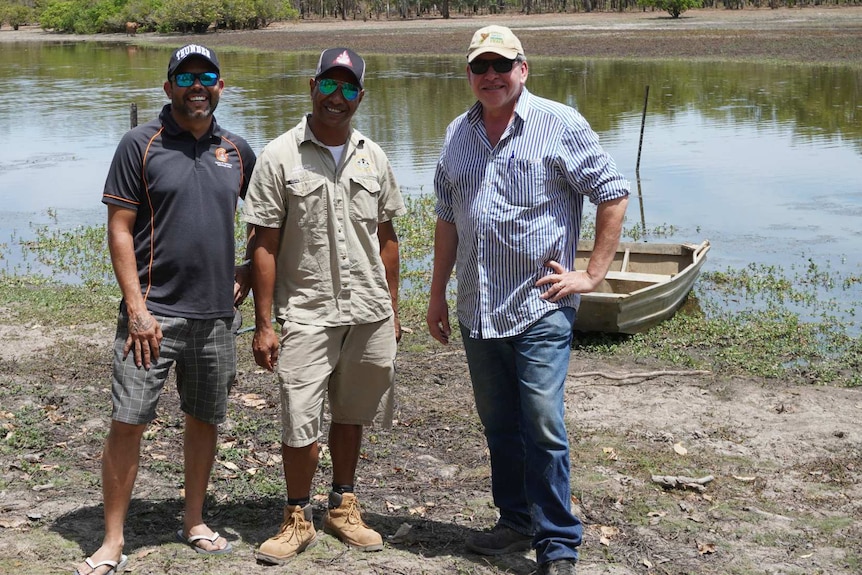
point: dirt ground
(785, 461)
(778, 464)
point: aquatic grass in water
(763, 320)
(416, 243)
(80, 254)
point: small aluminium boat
(646, 284)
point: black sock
(300, 502)
(342, 489)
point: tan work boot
(344, 521)
(295, 536)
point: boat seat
(638, 277)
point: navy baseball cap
(180, 55)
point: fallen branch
(639, 376)
(682, 482)
(767, 513)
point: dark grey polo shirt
(185, 194)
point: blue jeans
(518, 384)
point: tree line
(105, 16)
(100, 16)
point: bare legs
(119, 470)
(345, 442)
(199, 449)
(120, 460)
(300, 463)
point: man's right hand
(438, 320)
(265, 347)
(145, 339)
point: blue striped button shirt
(517, 205)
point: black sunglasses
(501, 65)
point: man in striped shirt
(510, 184)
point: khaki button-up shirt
(329, 270)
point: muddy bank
(805, 35)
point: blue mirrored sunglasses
(501, 65)
(327, 86)
(187, 79)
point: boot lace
(293, 527)
(354, 516)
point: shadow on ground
(153, 524)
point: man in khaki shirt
(321, 200)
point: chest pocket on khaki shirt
(306, 202)
(364, 198)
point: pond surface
(765, 161)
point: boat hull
(646, 284)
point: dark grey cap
(342, 58)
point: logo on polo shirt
(222, 158)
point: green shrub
(143, 12)
(82, 16)
(253, 14)
(237, 15)
(672, 7)
(59, 15)
(15, 13)
(188, 15)
(269, 11)
(94, 16)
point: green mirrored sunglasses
(327, 86)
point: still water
(763, 160)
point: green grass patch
(36, 299)
(829, 526)
(25, 430)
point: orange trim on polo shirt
(152, 212)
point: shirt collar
(304, 134)
(522, 108)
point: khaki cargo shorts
(352, 366)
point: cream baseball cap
(497, 39)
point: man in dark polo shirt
(171, 193)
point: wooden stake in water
(638, 165)
(641, 142)
(133, 115)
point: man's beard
(197, 114)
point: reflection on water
(763, 160)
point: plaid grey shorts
(204, 353)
